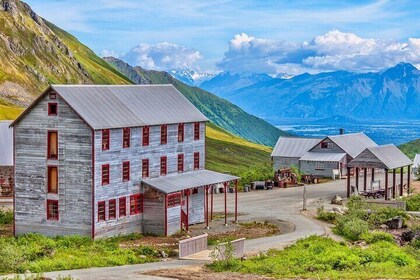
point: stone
(337, 200)
(407, 236)
(383, 227)
(395, 223)
(163, 254)
(337, 210)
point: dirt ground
(6, 230)
(415, 185)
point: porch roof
(182, 181)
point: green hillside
(220, 111)
(411, 148)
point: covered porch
(185, 199)
(386, 157)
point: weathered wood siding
(369, 160)
(153, 211)
(308, 167)
(333, 148)
(174, 219)
(285, 162)
(74, 171)
(196, 207)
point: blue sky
(250, 36)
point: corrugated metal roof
(353, 143)
(416, 161)
(182, 181)
(6, 144)
(114, 106)
(389, 155)
(293, 146)
(314, 156)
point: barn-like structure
(112, 160)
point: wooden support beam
(394, 174)
(348, 181)
(402, 181)
(236, 201)
(408, 178)
(206, 194)
(211, 205)
(386, 185)
(225, 193)
(357, 178)
(365, 179)
(373, 174)
(188, 209)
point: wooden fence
(238, 248)
(192, 245)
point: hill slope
(411, 148)
(218, 110)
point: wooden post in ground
(207, 205)
(305, 197)
(402, 181)
(386, 185)
(394, 174)
(373, 174)
(225, 193)
(357, 179)
(236, 201)
(408, 178)
(348, 181)
(188, 209)
(211, 205)
(365, 179)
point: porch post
(225, 193)
(394, 174)
(401, 181)
(408, 178)
(386, 184)
(207, 205)
(373, 174)
(236, 201)
(188, 208)
(357, 179)
(348, 181)
(365, 179)
(211, 205)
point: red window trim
(144, 170)
(163, 166)
(105, 180)
(112, 213)
(126, 137)
(48, 178)
(49, 108)
(49, 217)
(105, 139)
(163, 134)
(126, 176)
(173, 199)
(180, 132)
(196, 160)
(49, 132)
(122, 207)
(180, 163)
(53, 95)
(146, 136)
(137, 209)
(101, 203)
(197, 131)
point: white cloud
(163, 56)
(334, 50)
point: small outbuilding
(416, 164)
(6, 159)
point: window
(101, 211)
(123, 207)
(163, 134)
(112, 209)
(126, 137)
(52, 152)
(105, 139)
(181, 132)
(181, 163)
(326, 145)
(136, 204)
(196, 131)
(174, 199)
(52, 109)
(52, 210)
(126, 171)
(53, 95)
(145, 140)
(105, 174)
(319, 166)
(195, 191)
(163, 165)
(52, 179)
(196, 160)
(145, 168)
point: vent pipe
(341, 131)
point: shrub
(351, 227)
(376, 236)
(260, 172)
(6, 217)
(413, 202)
(326, 216)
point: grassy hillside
(411, 148)
(9, 111)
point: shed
(6, 159)
(416, 164)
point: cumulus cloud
(334, 50)
(163, 56)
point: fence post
(304, 198)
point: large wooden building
(110, 160)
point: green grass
(9, 111)
(6, 217)
(413, 202)
(320, 257)
(38, 253)
(411, 148)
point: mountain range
(392, 94)
(190, 77)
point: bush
(259, 172)
(351, 227)
(376, 236)
(413, 202)
(379, 215)
(326, 216)
(6, 217)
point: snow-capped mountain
(190, 77)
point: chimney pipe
(341, 131)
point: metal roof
(293, 146)
(353, 143)
(6, 144)
(319, 156)
(182, 181)
(386, 156)
(416, 161)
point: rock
(143, 256)
(244, 258)
(395, 223)
(383, 227)
(407, 236)
(337, 210)
(163, 254)
(337, 200)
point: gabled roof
(385, 156)
(116, 106)
(353, 143)
(319, 156)
(293, 146)
(6, 144)
(181, 181)
(416, 161)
